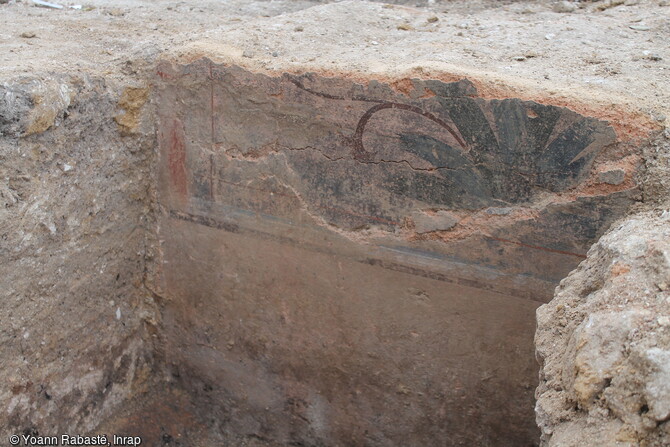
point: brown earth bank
(314, 223)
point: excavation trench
(349, 263)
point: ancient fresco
(385, 159)
(359, 263)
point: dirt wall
(73, 223)
(603, 341)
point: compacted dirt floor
(618, 47)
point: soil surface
(607, 52)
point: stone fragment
(608, 4)
(599, 344)
(564, 7)
(498, 211)
(8, 197)
(115, 12)
(44, 4)
(132, 100)
(15, 105)
(440, 221)
(657, 390)
(50, 99)
(612, 177)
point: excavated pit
(351, 263)
(294, 223)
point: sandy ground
(608, 48)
